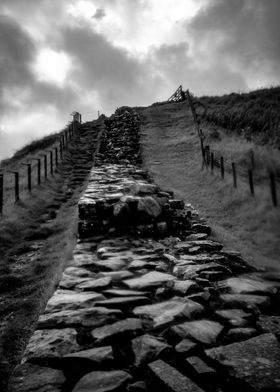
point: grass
(37, 236)
(254, 115)
(171, 152)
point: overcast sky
(57, 56)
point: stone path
(149, 302)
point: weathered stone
(203, 258)
(147, 348)
(138, 386)
(122, 212)
(29, 377)
(108, 381)
(111, 264)
(69, 282)
(185, 346)
(248, 286)
(94, 285)
(207, 245)
(200, 366)
(90, 317)
(255, 361)
(191, 271)
(123, 302)
(240, 334)
(204, 331)
(150, 280)
(235, 317)
(124, 328)
(164, 313)
(148, 207)
(139, 264)
(124, 293)
(196, 237)
(184, 286)
(51, 343)
(79, 272)
(71, 300)
(98, 355)
(117, 275)
(171, 378)
(246, 300)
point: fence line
(59, 146)
(209, 158)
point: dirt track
(171, 153)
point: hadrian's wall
(149, 302)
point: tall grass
(255, 115)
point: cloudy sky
(57, 56)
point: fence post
(39, 171)
(252, 156)
(28, 165)
(1, 193)
(51, 161)
(60, 148)
(234, 174)
(46, 166)
(212, 162)
(222, 167)
(251, 181)
(56, 157)
(273, 189)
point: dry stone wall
(149, 302)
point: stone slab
(171, 378)
(204, 331)
(71, 300)
(101, 381)
(91, 317)
(29, 377)
(255, 361)
(164, 313)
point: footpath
(148, 301)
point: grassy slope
(256, 114)
(36, 241)
(171, 152)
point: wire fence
(20, 179)
(217, 162)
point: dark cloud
(245, 33)
(16, 54)
(179, 66)
(110, 71)
(99, 14)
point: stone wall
(149, 302)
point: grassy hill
(37, 236)
(254, 115)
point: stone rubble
(149, 302)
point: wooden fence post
(1, 193)
(60, 148)
(46, 166)
(273, 189)
(222, 167)
(251, 181)
(39, 171)
(234, 174)
(56, 156)
(252, 156)
(29, 185)
(51, 161)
